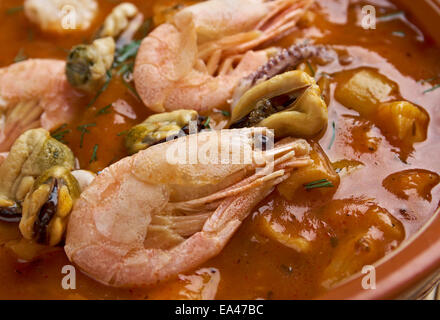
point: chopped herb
(95, 150)
(104, 110)
(21, 56)
(59, 133)
(206, 124)
(432, 89)
(83, 129)
(225, 113)
(429, 80)
(122, 133)
(391, 16)
(332, 141)
(125, 67)
(325, 74)
(127, 52)
(129, 87)
(323, 183)
(399, 34)
(13, 10)
(103, 88)
(312, 70)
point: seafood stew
(94, 94)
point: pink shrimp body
(144, 219)
(34, 93)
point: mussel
(38, 187)
(34, 152)
(160, 127)
(289, 103)
(87, 65)
(48, 205)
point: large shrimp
(196, 61)
(34, 93)
(146, 218)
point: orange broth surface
(252, 265)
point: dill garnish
(83, 129)
(94, 157)
(225, 113)
(206, 124)
(312, 70)
(323, 183)
(59, 133)
(103, 88)
(129, 87)
(432, 89)
(122, 133)
(391, 16)
(13, 10)
(21, 56)
(332, 141)
(429, 80)
(398, 34)
(128, 51)
(125, 67)
(104, 110)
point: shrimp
(196, 60)
(34, 93)
(150, 217)
(61, 16)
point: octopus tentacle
(283, 61)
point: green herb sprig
(332, 141)
(323, 183)
(14, 10)
(60, 133)
(105, 110)
(83, 129)
(103, 88)
(94, 154)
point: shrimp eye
(262, 142)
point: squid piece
(364, 91)
(87, 65)
(402, 121)
(363, 233)
(289, 103)
(368, 92)
(320, 177)
(61, 16)
(414, 182)
(278, 233)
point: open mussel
(289, 103)
(161, 127)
